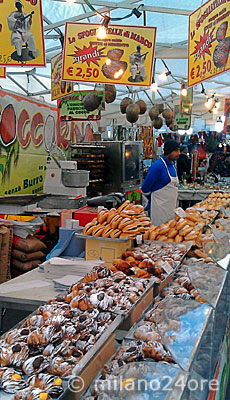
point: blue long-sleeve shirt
(157, 177)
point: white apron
(164, 201)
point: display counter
(182, 326)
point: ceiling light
(189, 131)
(208, 103)
(181, 132)
(184, 92)
(164, 75)
(101, 32)
(154, 87)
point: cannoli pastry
(17, 335)
(156, 351)
(60, 367)
(44, 336)
(112, 367)
(31, 394)
(101, 300)
(11, 381)
(130, 352)
(50, 383)
(34, 321)
(14, 355)
(147, 332)
(105, 318)
(81, 302)
(34, 365)
(54, 350)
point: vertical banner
(21, 33)
(59, 88)
(227, 116)
(180, 121)
(124, 56)
(2, 72)
(146, 135)
(209, 42)
(186, 99)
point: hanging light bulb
(108, 61)
(154, 87)
(163, 76)
(208, 103)
(184, 92)
(181, 132)
(215, 111)
(217, 103)
(101, 32)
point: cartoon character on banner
(19, 24)
(137, 68)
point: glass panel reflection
(180, 324)
(208, 279)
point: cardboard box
(137, 311)
(105, 249)
(6, 232)
(93, 368)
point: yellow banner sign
(21, 33)
(2, 72)
(125, 55)
(209, 41)
(59, 88)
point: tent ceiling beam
(16, 83)
(112, 5)
(86, 15)
(40, 82)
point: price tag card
(180, 212)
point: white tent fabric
(171, 19)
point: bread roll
(181, 224)
(172, 233)
(163, 229)
(186, 230)
(115, 233)
(178, 239)
(116, 221)
(123, 206)
(153, 235)
(97, 231)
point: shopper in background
(160, 184)
(184, 165)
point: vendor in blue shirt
(160, 185)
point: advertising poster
(71, 107)
(2, 72)
(28, 129)
(209, 44)
(125, 56)
(227, 116)
(59, 88)
(186, 100)
(21, 33)
(180, 121)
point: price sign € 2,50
(209, 41)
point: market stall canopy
(171, 20)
